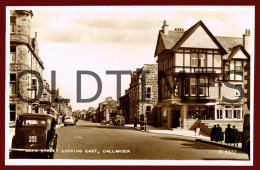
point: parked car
(69, 121)
(120, 120)
(103, 122)
(246, 135)
(35, 136)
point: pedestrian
(235, 136)
(228, 135)
(219, 136)
(63, 117)
(213, 133)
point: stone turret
(20, 25)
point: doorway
(175, 121)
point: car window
(34, 122)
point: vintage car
(35, 136)
(103, 122)
(69, 121)
(120, 120)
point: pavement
(152, 129)
(190, 133)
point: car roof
(35, 115)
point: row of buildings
(199, 80)
(27, 67)
(106, 110)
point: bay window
(196, 87)
(233, 112)
(197, 61)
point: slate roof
(171, 39)
(236, 49)
(228, 43)
(174, 38)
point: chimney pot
(246, 40)
(165, 27)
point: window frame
(165, 91)
(146, 93)
(13, 54)
(12, 82)
(192, 59)
(233, 109)
(146, 106)
(237, 90)
(13, 25)
(238, 71)
(176, 86)
(12, 111)
(219, 114)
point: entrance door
(175, 120)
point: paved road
(91, 141)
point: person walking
(235, 136)
(213, 133)
(219, 136)
(228, 135)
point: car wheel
(248, 151)
(11, 155)
(50, 156)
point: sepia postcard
(129, 85)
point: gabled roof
(191, 30)
(168, 40)
(228, 43)
(174, 39)
(236, 49)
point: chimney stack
(165, 27)
(246, 40)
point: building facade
(124, 106)
(23, 57)
(200, 78)
(107, 110)
(26, 68)
(143, 93)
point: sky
(105, 38)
